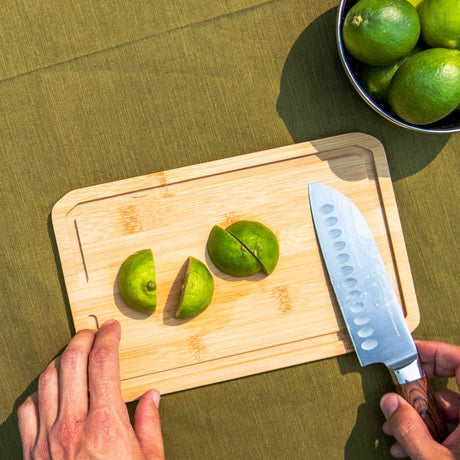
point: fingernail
(156, 398)
(389, 404)
(108, 323)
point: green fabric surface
(92, 93)
(37, 34)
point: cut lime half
(137, 282)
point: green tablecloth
(94, 91)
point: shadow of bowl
(316, 100)
(449, 124)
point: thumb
(147, 425)
(409, 429)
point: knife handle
(420, 396)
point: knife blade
(368, 302)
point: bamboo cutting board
(253, 324)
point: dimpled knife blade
(367, 300)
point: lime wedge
(229, 255)
(137, 283)
(197, 290)
(260, 240)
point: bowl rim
(360, 89)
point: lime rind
(440, 20)
(229, 255)
(379, 33)
(426, 88)
(137, 281)
(376, 80)
(197, 290)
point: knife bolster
(413, 371)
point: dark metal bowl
(449, 124)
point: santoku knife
(366, 297)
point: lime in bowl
(354, 71)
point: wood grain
(419, 395)
(253, 324)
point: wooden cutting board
(253, 324)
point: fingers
(73, 375)
(397, 451)
(449, 403)
(452, 442)
(48, 404)
(440, 359)
(48, 395)
(104, 367)
(409, 429)
(28, 424)
(147, 425)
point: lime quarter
(197, 290)
(229, 255)
(260, 241)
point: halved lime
(137, 282)
(229, 255)
(260, 240)
(197, 289)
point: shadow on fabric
(316, 100)
(10, 440)
(367, 440)
(60, 273)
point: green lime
(380, 32)
(229, 255)
(136, 281)
(440, 21)
(376, 80)
(426, 87)
(260, 240)
(197, 290)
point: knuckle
(72, 357)
(25, 407)
(404, 429)
(101, 417)
(47, 376)
(104, 425)
(86, 334)
(41, 450)
(65, 432)
(102, 354)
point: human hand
(78, 411)
(404, 423)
